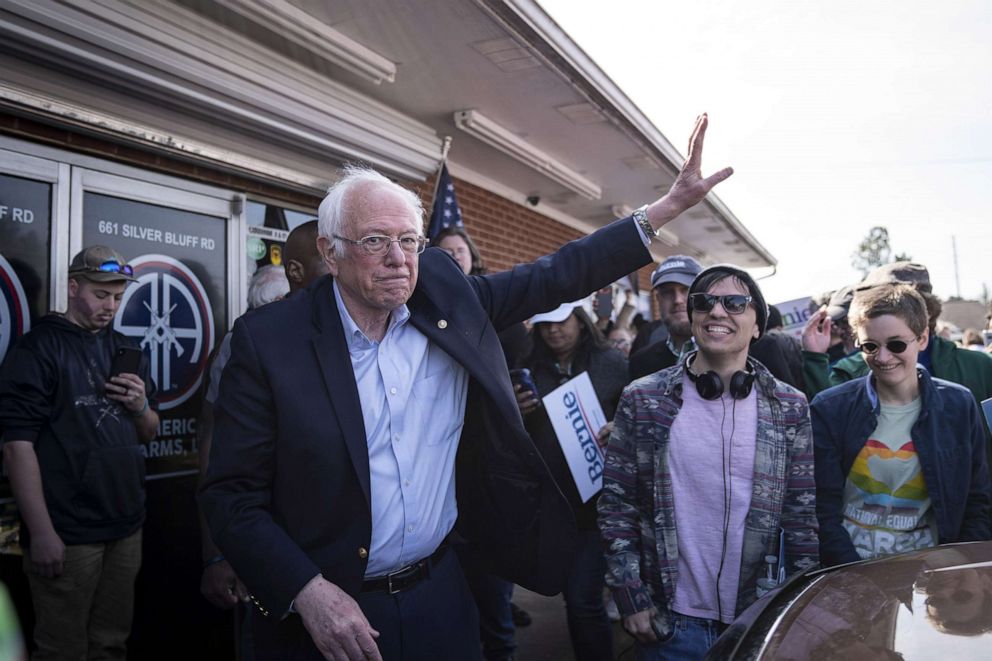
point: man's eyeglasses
(732, 303)
(378, 244)
(109, 266)
(894, 346)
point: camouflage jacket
(636, 510)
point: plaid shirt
(637, 513)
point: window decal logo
(15, 319)
(167, 312)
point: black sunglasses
(732, 303)
(894, 346)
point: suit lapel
(332, 353)
(443, 329)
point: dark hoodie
(92, 466)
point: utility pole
(957, 278)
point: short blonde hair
(897, 299)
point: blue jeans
(588, 625)
(691, 638)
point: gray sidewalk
(547, 638)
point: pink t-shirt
(699, 472)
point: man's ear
(924, 339)
(755, 334)
(73, 287)
(325, 247)
(294, 271)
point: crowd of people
(379, 467)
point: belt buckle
(401, 574)
(389, 584)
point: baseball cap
(558, 315)
(101, 264)
(681, 269)
(909, 273)
(840, 303)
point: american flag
(446, 212)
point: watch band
(641, 218)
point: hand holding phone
(124, 385)
(126, 361)
(528, 398)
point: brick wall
(507, 233)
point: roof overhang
(286, 90)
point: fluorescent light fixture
(502, 139)
(316, 36)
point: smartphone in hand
(126, 361)
(523, 378)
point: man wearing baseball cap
(670, 283)
(72, 433)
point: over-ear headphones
(709, 385)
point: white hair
(267, 284)
(331, 213)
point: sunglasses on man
(894, 346)
(109, 266)
(732, 303)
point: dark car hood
(932, 604)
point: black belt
(405, 577)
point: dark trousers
(588, 625)
(436, 620)
(492, 598)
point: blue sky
(837, 116)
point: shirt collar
(687, 346)
(356, 338)
(873, 394)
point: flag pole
(437, 175)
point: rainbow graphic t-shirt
(886, 502)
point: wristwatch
(641, 217)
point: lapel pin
(442, 324)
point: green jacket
(971, 369)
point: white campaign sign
(577, 417)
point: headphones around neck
(710, 386)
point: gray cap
(100, 264)
(840, 303)
(909, 273)
(681, 269)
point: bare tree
(874, 250)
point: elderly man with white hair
(348, 409)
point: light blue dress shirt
(413, 405)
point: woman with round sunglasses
(900, 456)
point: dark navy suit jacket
(287, 490)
